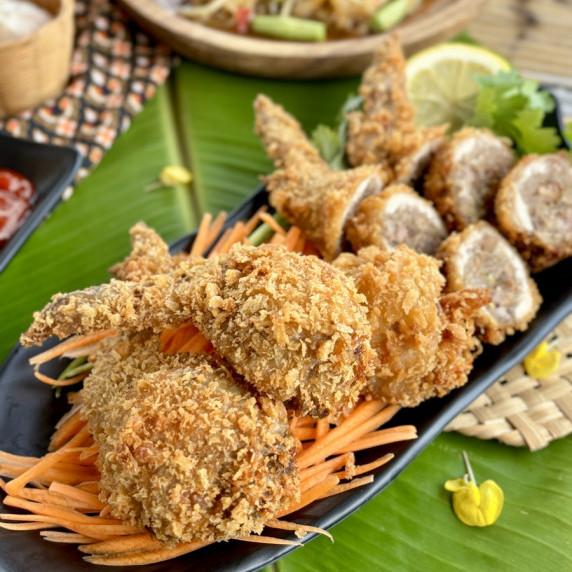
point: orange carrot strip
(179, 337)
(323, 468)
(48, 461)
(151, 557)
(300, 244)
(65, 537)
(272, 223)
(65, 514)
(123, 544)
(292, 237)
(348, 486)
(268, 540)
(66, 431)
(312, 494)
(285, 525)
(216, 227)
(382, 437)
(55, 499)
(90, 487)
(215, 249)
(305, 433)
(197, 344)
(69, 344)
(253, 221)
(322, 428)
(27, 525)
(84, 497)
(350, 429)
(236, 235)
(201, 239)
(58, 382)
(361, 469)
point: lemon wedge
(441, 84)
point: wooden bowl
(438, 20)
(36, 67)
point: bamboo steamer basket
(36, 67)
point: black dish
(51, 168)
(29, 411)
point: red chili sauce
(16, 196)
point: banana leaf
(203, 119)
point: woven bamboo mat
(520, 410)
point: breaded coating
(534, 208)
(186, 449)
(464, 176)
(384, 132)
(423, 340)
(303, 189)
(397, 215)
(480, 257)
(402, 289)
(149, 255)
(292, 325)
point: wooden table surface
(535, 35)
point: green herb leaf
(514, 107)
(327, 141)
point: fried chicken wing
(397, 215)
(384, 132)
(534, 208)
(464, 176)
(480, 257)
(187, 450)
(292, 325)
(423, 340)
(149, 255)
(302, 189)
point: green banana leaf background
(203, 119)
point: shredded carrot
(268, 540)
(338, 489)
(26, 525)
(69, 344)
(65, 537)
(272, 223)
(215, 228)
(285, 525)
(201, 239)
(150, 557)
(59, 382)
(312, 494)
(382, 437)
(361, 469)
(140, 541)
(66, 430)
(253, 221)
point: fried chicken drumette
(292, 325)
(302, 188)
(464, 176)
(481, 257)
(384, 132)
(397, 215)
(534, 208)
(423, 340)
(187, 450)
(149, 255)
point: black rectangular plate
(51, 168)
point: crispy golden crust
(302, 189)
(292, 325)
(424, 341)
(402, 289)
(149, 255)
(283, 137)
(397, 215)
(534, 208)
(384, 132)
(321, 207)
(186, 450)
(480, 257)
(464, 175)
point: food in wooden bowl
(434, 21)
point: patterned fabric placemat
(115, 68)
(521, 410)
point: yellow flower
(475, 505)
(175, 175)
(542, 361)
(171, 176)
